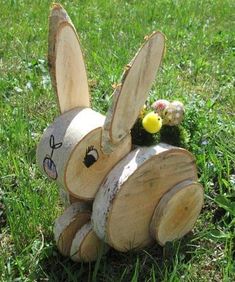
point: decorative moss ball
(175, 135)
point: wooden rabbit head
(82, 146)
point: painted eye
(91, 156)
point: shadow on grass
(115, 266)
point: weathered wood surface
(66, 64)
(86, 246)
(145, 194)
(79, 132)
(83, 182)
(177, 212)
(131, 94)
(70, 129)
(124, 205)
(67, 225)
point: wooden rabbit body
(122, 197)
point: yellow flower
(152, 122)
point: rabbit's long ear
(130, 95)
(66, 64)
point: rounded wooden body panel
(177, 212)
(125, 203)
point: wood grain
(78, 130)
(71, 129)
(66, 64)
(66, 226)
(84, 182)
(86, 246)
(131, 94)
(125, 203)
(177, 212)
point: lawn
(198, 69)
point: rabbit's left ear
(131, 94)
(66, 64)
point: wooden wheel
(66, 226)
(86, 246)
(177, 212)
(125, 203)
(74, 235)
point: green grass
(198, 69)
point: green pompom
(174, 135)
(141, 137)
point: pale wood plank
(66, 64)
(132, 92)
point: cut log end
(177, 212)
(68, 224)
(125, 203)
(88, 165)
(86, 246)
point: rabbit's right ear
(132, 92)
(66, 64)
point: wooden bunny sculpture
(122, 197)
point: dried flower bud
(173, 114)
(159, 106)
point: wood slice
(125, 203)
(83, 182)
(66, 226)
(76, 140)
(177, 212)
(86, 246)
(66, 64)
(131, 94)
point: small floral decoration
(156, 118)
(171, 113)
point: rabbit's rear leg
(74, 236)
(177, 212)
